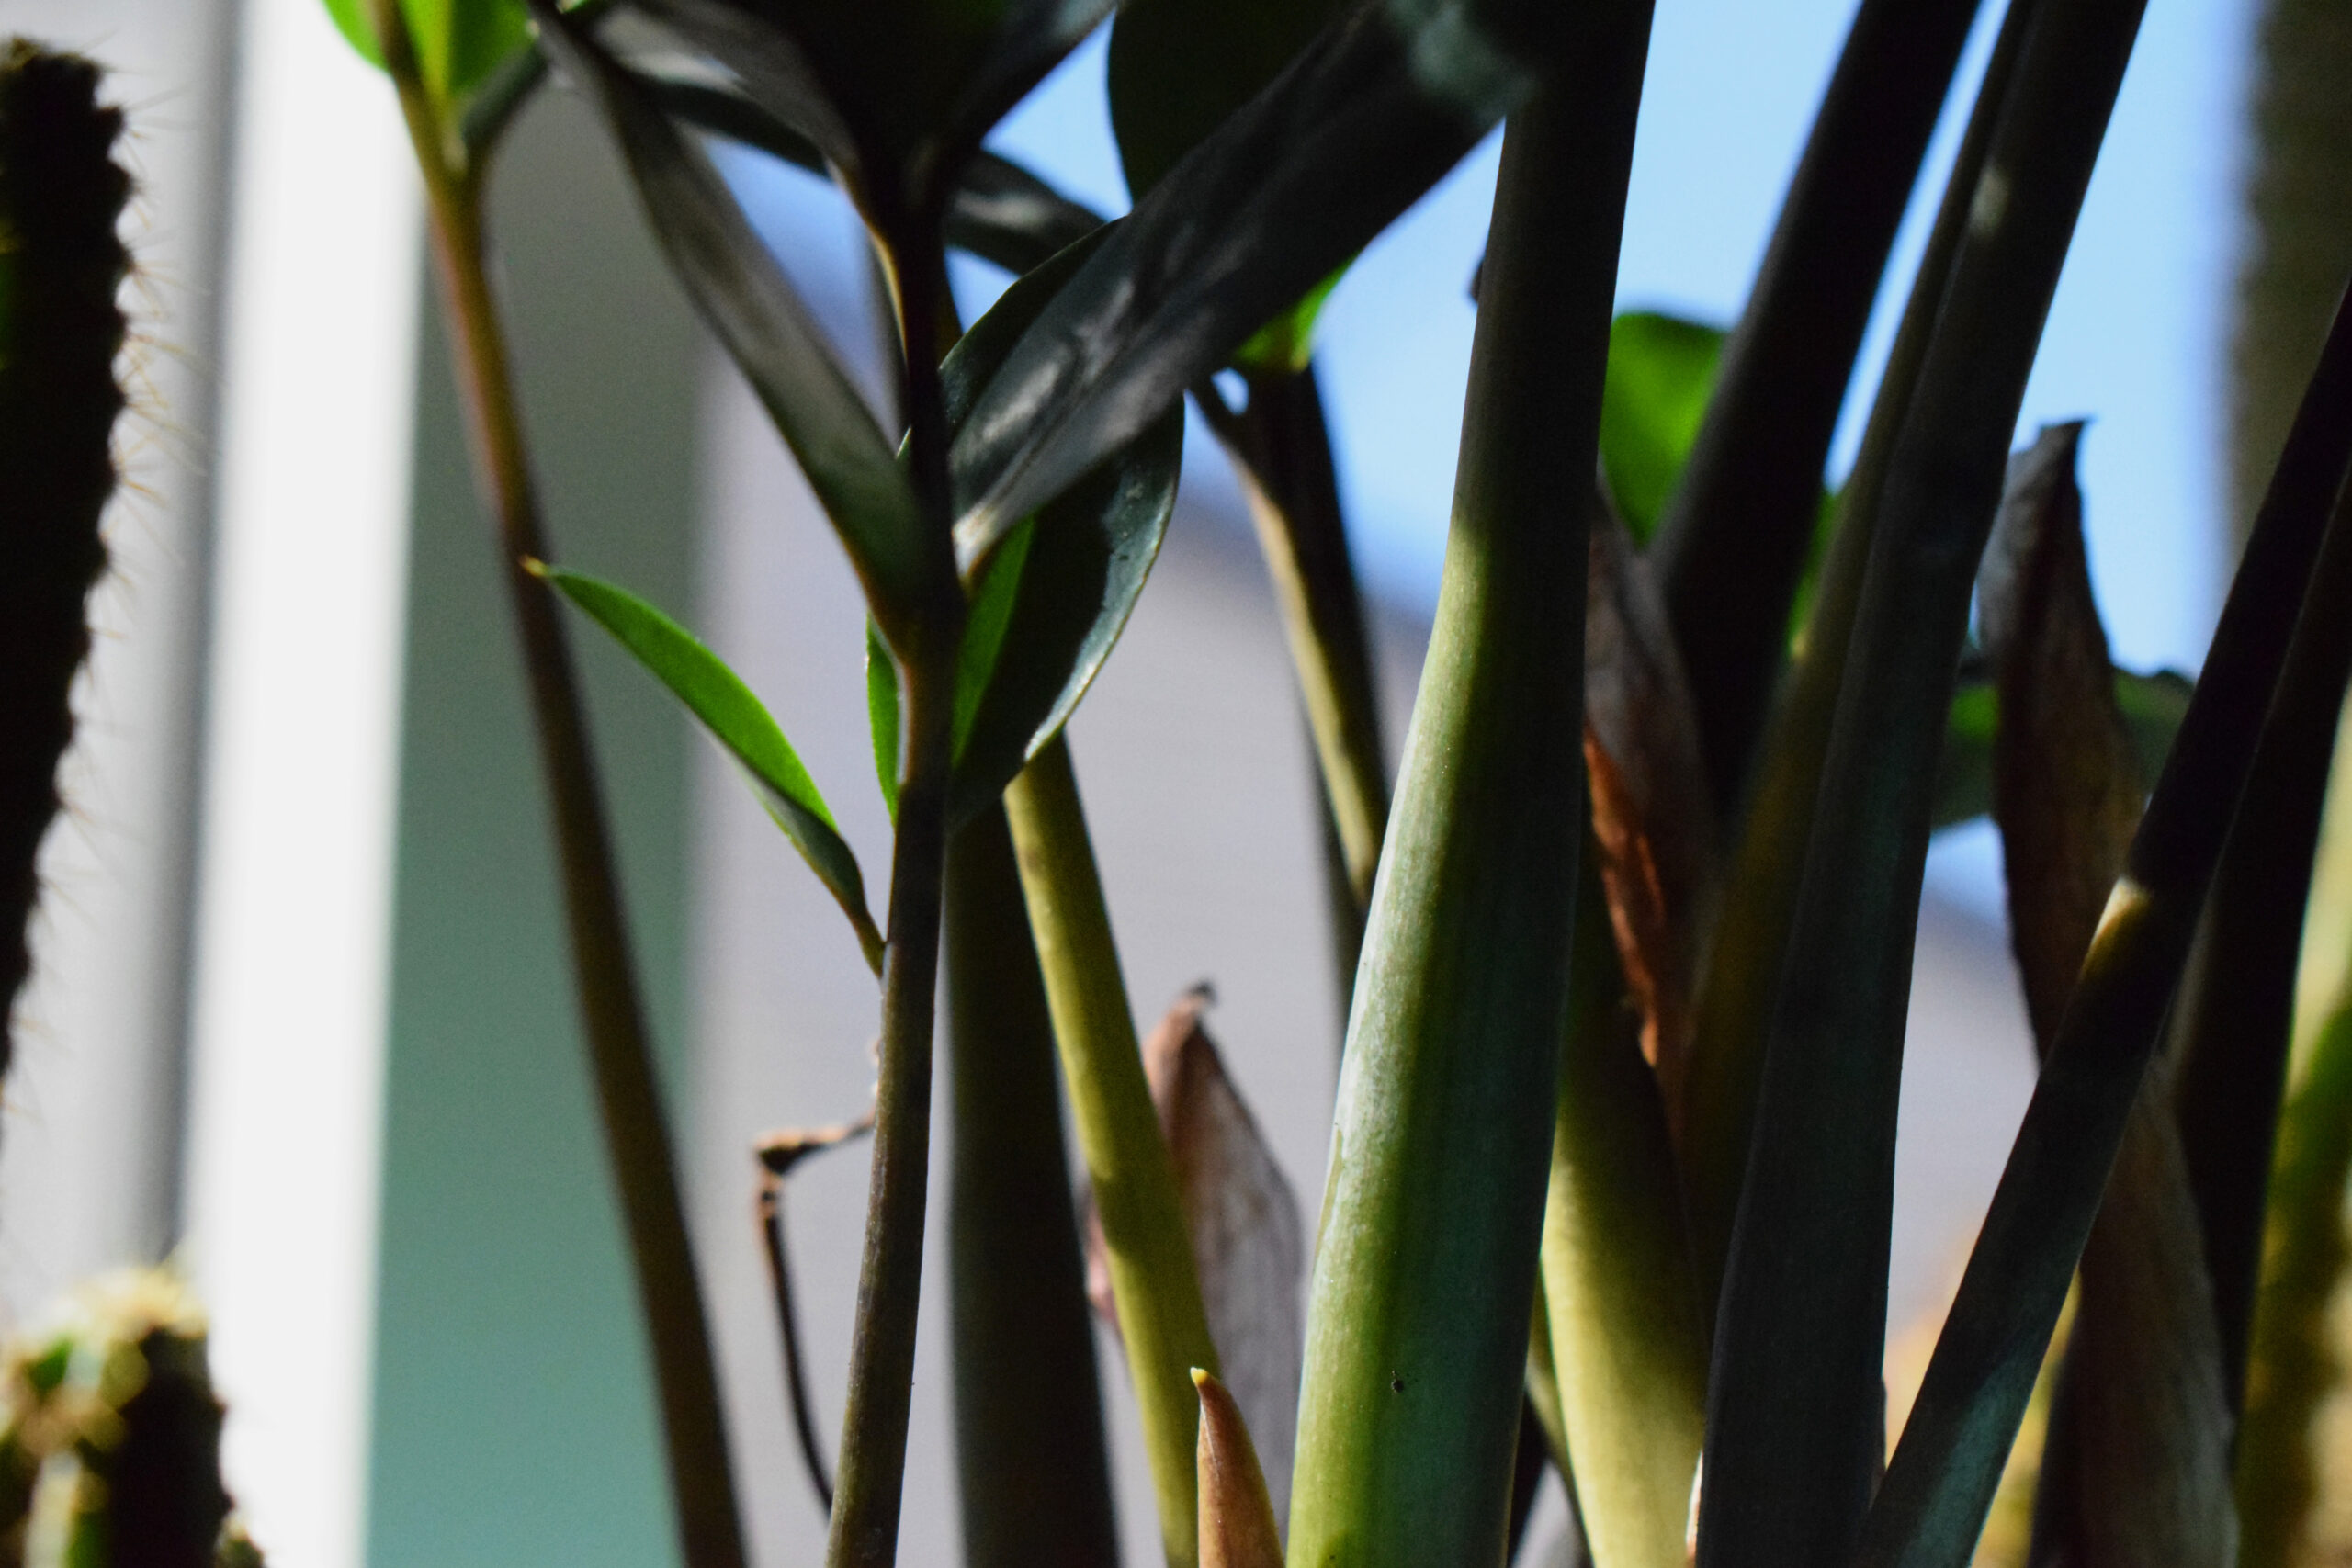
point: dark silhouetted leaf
(726, 707)
(2150, 705)
(2136, 1463)
(1370, 116)
(1237, 1516)
(757, 316)
(2281, 627)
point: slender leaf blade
(737, 720)
(759, 318)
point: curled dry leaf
(1249, 1241)
(1650, 813)
(1237, 1529)
(2136, 1464)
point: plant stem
(1743, 970)
(868, 1492)
(620, 1052)
(1029, 1438)
(1152, 1275)
(1413, 1391)
(1283, 446)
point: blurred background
(300, 1014)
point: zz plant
(1628, 942)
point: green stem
(1743, 970)
(1159, 1294)
(1417, 1330)
(1284, 447)
(1624, 1327)
(868, 1495)
(628, 1090)
(1029, 1440)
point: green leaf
(1051, 601)
(1178, 69)
(459, 42)
(882, 716)
(897, 92)
(759, 318)
(1661, 373)
(737, 720)
(1374, 112)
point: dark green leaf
(759, 318)
(1052, 599)
(898, 92)
(1178, 68)
(1375, 110)
(737, 720)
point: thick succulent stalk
(60, 193)
(1418, 1332)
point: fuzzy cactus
(61, 263)
(110, 1455)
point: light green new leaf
(459, 42)
(737, 720)
(1661, 372)
(882, 716)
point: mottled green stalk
(1418, 1329)
(620, 1049)
(1623, 1329)
(1159, 1294)
(60, 193)
(1029, 1440)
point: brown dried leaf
(2136, 1465)
(1249, 1240)
(1237, 1518)
(1650, 813)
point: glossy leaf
(1177, 69)
(1249, 1242)
(898, 94)
(1237, 1518)
(746, 300)
(1410, 1414)
(459, 43)
(1369, 117)
(737, 720)
(1053, 598)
